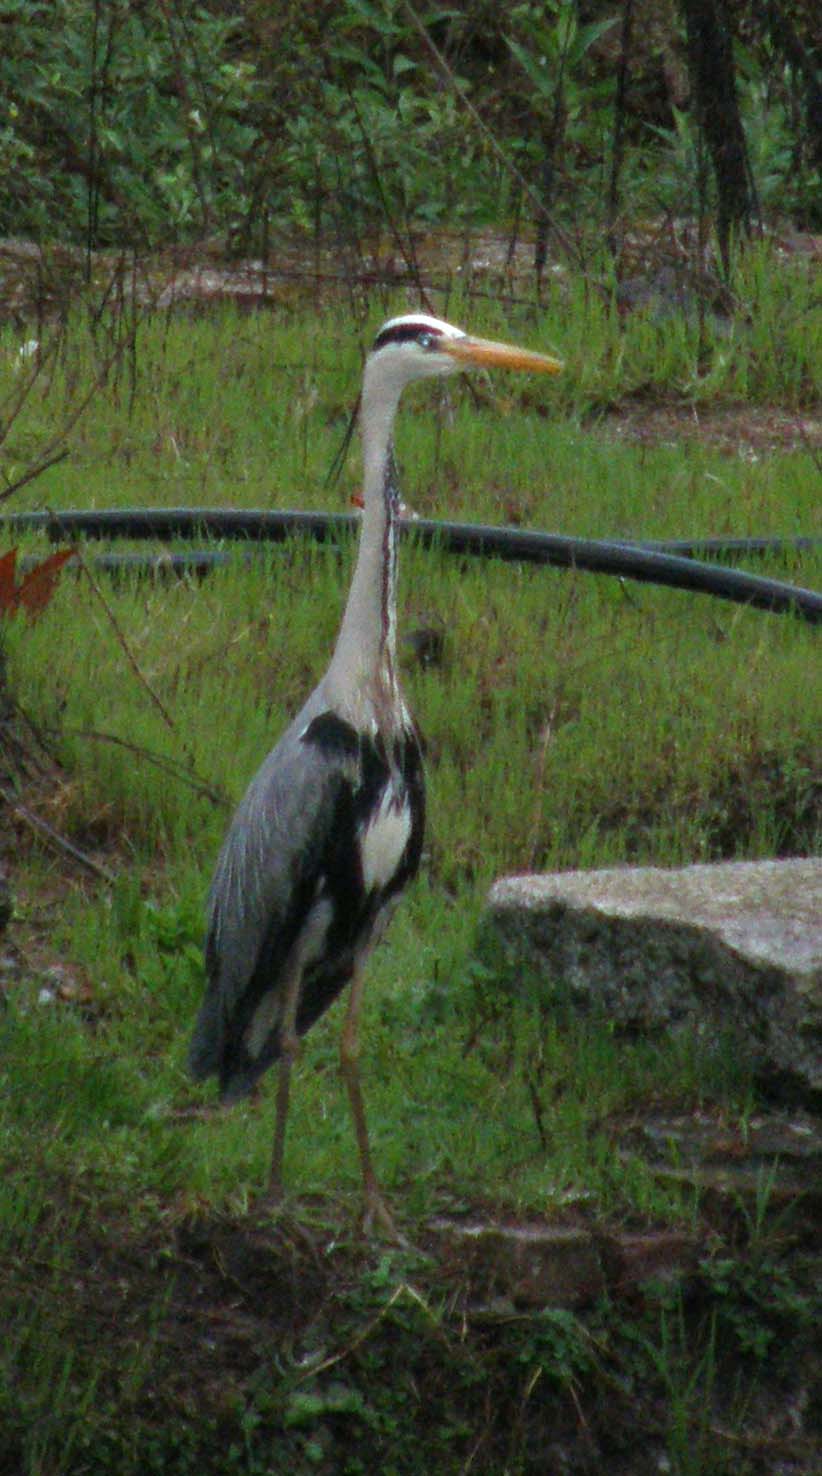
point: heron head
(418, 346)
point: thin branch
(54, 838)
(618, 142)
(188, 111)
(56, 450)
(405, 1289)
(25, 381)
(411, 263)
(32, 473)
(123, 643)
(510, 167)
(171, 766)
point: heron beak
(486, 354)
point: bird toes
(377, 1220)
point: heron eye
(425, 340)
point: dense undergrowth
(150, 124)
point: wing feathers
(329, 829)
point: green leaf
(536, 70)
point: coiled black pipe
(647, 562)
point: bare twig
(406, 250)
(538, 1108)
(42, 828)
(403, 1290)
(188, 110)
(123, 643)
(567, 243)
(32, 473)
(618, 141)
(56, 450)
(24, 383)
(55, 444)
(171, 766)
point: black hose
(165, 524)
(727, 548)
(195, 563)
(647, 562)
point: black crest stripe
(404, 333)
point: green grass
(248, 410)
(573, 722)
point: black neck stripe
(404, 333)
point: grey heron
(330, 828)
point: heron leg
(377, 1212)
(289, 1050)
(275, 1181)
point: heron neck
(364, 656)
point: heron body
(357, 803)
(330, 829)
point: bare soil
(747, 431)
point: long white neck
(362, 671)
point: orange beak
(485, 353)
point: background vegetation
(136, 125)
(153, 1318)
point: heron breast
(383, 839)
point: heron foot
(283, 1213)
(377, 1219)
(273, 1201)
(273, 1197)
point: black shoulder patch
(404, 333)
(334, 736)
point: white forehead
(421, 321)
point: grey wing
(264, 882)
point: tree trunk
(711, 68)
(786, 39)
(618, 145)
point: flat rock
(758, 1167)
(632, 1259)
(735, 946)
(533, 1265)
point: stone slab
(535, 1264)
(735, 946)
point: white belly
(383, 840)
